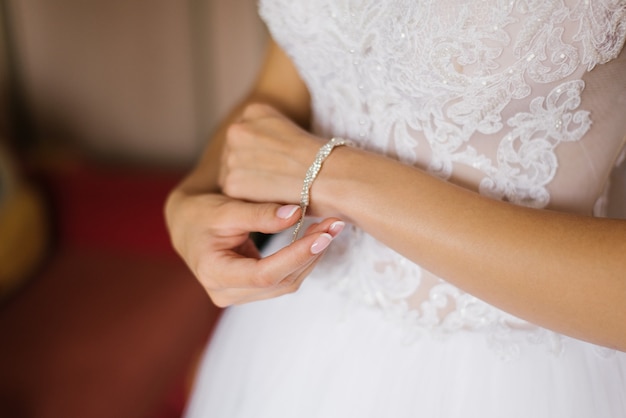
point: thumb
(267, 218)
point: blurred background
(104, 105)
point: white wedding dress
(519, 100)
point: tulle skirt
(304, 355)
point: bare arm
(211, 231)
(565, 272)
(561, 271)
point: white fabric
(520, 100)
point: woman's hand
(266, 156)
(212, 234)
(211, 231)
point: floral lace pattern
(483, 92)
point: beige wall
(143, 79)
(235, 41)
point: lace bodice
(519, 100)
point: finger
(323, 233)
(273, 269)
(229, 269)
(291, 282)
(227, 297)
(243, 277)
(294, 256)
(238, 296)
(238, 216)
(333, 226)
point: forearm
(279, 85)
(561, 271)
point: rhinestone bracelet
(311, 174)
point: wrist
(305, 194)
(339, 185)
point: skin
(561, 271)
(211, 231)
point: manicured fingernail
(287, 211)
(321, 243)
(336, 228)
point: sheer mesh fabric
(519, 100)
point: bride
(457, 261)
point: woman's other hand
(266, 156)
(211, 232)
